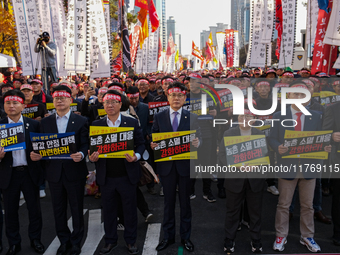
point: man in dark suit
(118, 176)
(332, 122)
(176, 173)
(304, 178)
(240, 189)
(19, 173)
(67, 178)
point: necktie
(175, 122)
(298, 127)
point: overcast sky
(194, 16)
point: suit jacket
(276, 138)
(142, 111)
(331, 122)
(73, 170)
(235, 185)
(34, 167)
(161, 123)
(132, 168)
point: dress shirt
(19, 156)
(62, 123)
(302, 118)
(117, 124)
(172, 116)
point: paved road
(207, 229)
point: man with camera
(49, 49)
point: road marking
(95, 232)
(52, 249)
(152, 239)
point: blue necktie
(175, 122)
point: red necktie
(298, 127)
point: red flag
(143, 4)
(208, 51)
(153, 15)
(322, 60)
(278, 27)
(230, 47)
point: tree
(8, 36)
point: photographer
(50, 52)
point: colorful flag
(278, 27)
(176, 56)
(117, 63)
(195, 52)
(143, 4)
(134, 37)
(144, 33)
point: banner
(337, 63)
(156, 107)
(174, 146)
(322, 60)
(220, 40)
(101, 112)
(143, 4)
(278, 26)
(312, 20)
(328, 98)
(59, 34)
(241, 150)
(77, 43)
(152, 54)
(99, 53)
(134, 39)
(288, 33)
(229, 35)
(267, 123)
(30, 111)
(316, 96)
(307, 144)
(236, 50)
(54, 146)
(26, 22)
(332, 36)
(12, 137)
(111, 142)
(258, 51)
(268, 22)
(51, 109)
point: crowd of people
(80, 101)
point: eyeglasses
(111, 102)
(177, 95)
(60, 98)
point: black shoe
(132, 248)
(64, 248)
(37, 246)
(229, 245)
(209, 197)
(336, 241)
(188, 245)
(14, 249)
(164, 244)
(221, 193)
(75, 250)
(108, 248)
(256, 246)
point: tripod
(41, 55)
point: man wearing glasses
(67, 177)
(176, 173)
(119, 176)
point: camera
(42, 38)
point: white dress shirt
(19, 156)
(302, 118)
(172, 116)
(117, 124)
(62, 122)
